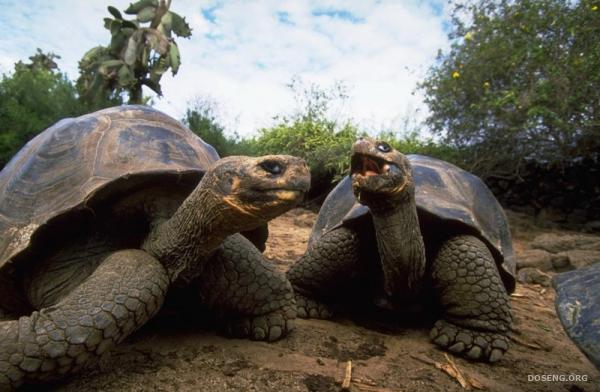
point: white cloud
(248, 51)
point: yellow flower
(486, 84)
(468, 36)
(594, 8)
(455, 75)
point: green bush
(324, 147)
(324, 143)
(33, 97)
(309, 133)
(30, 101)
(519, 83)
(414, 143)
(201, 120)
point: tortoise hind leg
(477, 313)
(247, 293)
(124, 292)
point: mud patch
(231, 368)
(363, 351)
(318, 383)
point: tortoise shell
(446, 196)
(578, 308)
(64, 168)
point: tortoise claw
(267, 327)
(471, 344)
(309, 308)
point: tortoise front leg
(477, 313)
(124, 292)
(247, 293)
(326, 272)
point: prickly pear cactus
(141, 50)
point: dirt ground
(171, 354)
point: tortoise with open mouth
(403, 229)
(100, 215)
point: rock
(561, 263)
(578, 308)
(577, 217)
(526, 209)
(551, 214)
(582, 257)
(535, 258)
(556, 243)
(593, 226)
(534, 275)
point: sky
(243, 54)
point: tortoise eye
(272, 167)
(384, 147)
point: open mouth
(367, 166)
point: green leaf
(163, 30)
(146, 14)
(96, 85)
(112, 63)
(130, 24)
(130, 54)
(91, 54)
(106, 67)
(125, 76)
(136, 7)
(174, 58)
(107, 23)
(154, 86)
(160, 67)
(145, 55)
(114, 12)
(117, 43)
(115, 26)
(180, 26)
(167, 20)
(128, 32)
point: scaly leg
(328, 267)
(124, 292)
(477, 311)
(247, 293)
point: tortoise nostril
(272, 167)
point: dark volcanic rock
(535, 276)
(555, 243)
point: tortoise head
(260, 188)
(380, 173)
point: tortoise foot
(309, 308)
(471, 344)
(266, 327)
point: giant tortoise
(578, 308)
(101, 214)
(403, 229)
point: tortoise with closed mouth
(101, 214)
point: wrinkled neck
(401, 248)
(186, 239)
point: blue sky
(242, 54)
